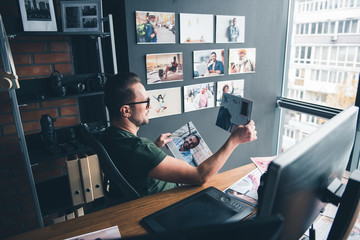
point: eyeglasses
(147, 103)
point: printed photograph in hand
(188, 145)
(208, 63)
(198, 96)
(162, 68)
(230, 29)
(155, 27)
(164, 102)
(242, 60)
(234, 87)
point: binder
(96, 177)
(75, 181)
(86, 179)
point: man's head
(203, 89)
(126, 97)
(191, 142)
(242, 53)
(225, 88)
(234, 21)
(213, 56)
(151, 18)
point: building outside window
(323, 62)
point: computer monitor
(348, 210)
(296, 180)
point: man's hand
(244, 133)
(163, 139)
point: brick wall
(34, 57)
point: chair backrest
(107, 165)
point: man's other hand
(163, 139)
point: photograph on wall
(188, 145)
(242, 60)
(230, 29)
(235, 87)
(198, 96)
(81, 16)
(38, 15)
(164, 102)
(164, 67)
(155, 27)
(196, 28)
(208, 63)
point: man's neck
(125, 125)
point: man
(185, 145)
(215, 66)
(244, 64)
(201, 100)
(151, 33)
(145, 166)
(234, 32)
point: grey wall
(265, 30)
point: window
(326, 72)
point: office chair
(108, 167)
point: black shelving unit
(32, 150)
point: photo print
(38, 15)
(188, 145)
(198, 96)
(196, 28)
(235, 87)
(81, 16)
(208, 63)
(234, 111)
(242, 60)
(155, 27)
(230, 29)
(164, 102)
(164, 67)
(246, 188)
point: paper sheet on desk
(246, 188)
(262, 163)
(107, 233)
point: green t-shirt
(135, 157)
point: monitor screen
(295, 181)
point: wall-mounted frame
(242, 60)
(81, 16)
(155, 27)
(199, 96)
(196, 28)
(38, 15)
(164, 102)
(208, 63)
(230, 29)
(164, 67)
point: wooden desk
(127, 216)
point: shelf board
(23, 100)
(95, 34)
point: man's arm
(178, 171)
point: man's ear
(125, 110)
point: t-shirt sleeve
(149, 154)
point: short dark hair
(118, 91)
(213, 53)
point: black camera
(56, 84)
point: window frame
(306, 107)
